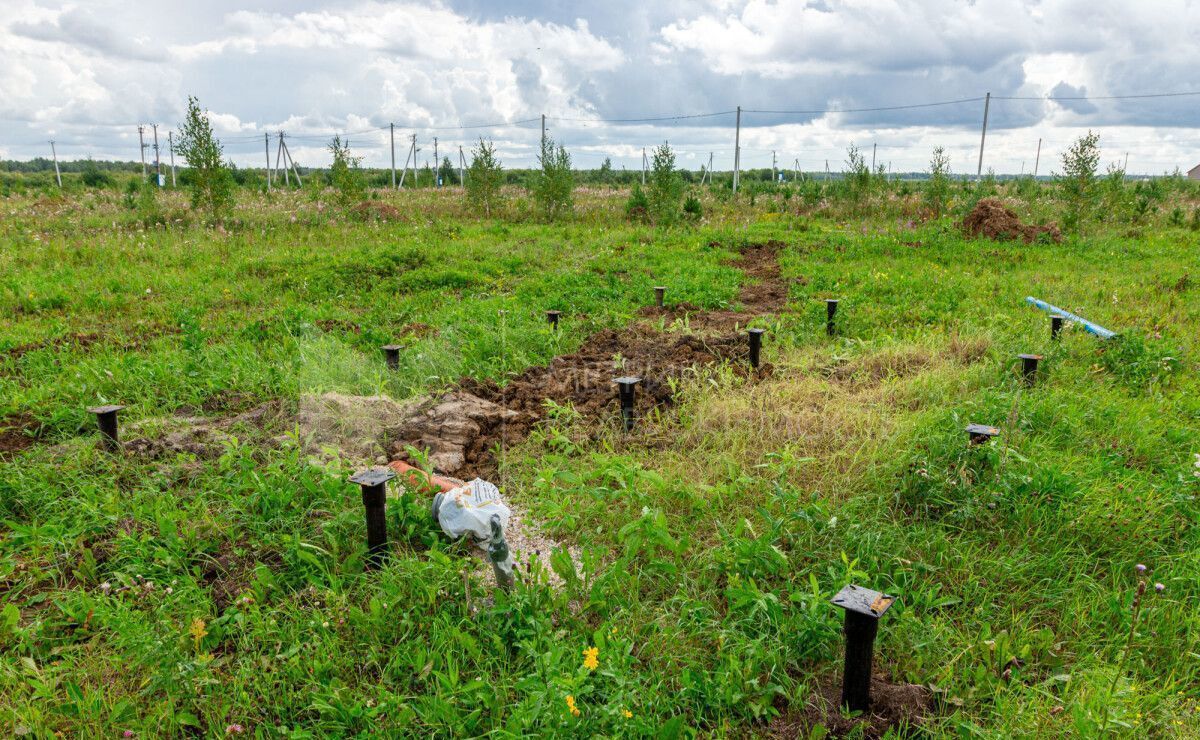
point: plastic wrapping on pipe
(1096, 329)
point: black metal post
(392, 353)
(831, 306)
(552, 318)
(625, 391)
(374, 498)
(755, 346)
(977, 434)
(863, 608)
(1029, 368)
(659, 292)
(1056, 325)
(106, 418)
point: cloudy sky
(87, 73)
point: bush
(210, 180)
(345, 174)
(693, 210)
(1078, 180)
(484, 178)
(665, 189)
(94, 177)
(638, 205)
(554, 183)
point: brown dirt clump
(202, 437)
(991, 219)
(897, 710)
(17, 433)
(453, 429)
(374, 209)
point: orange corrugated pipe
(414, 477)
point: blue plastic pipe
(1096, 329)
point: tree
(937, 191)
(1078, 179)
(604, 175)
(484, 178)
(349, 185)
(210, 181)
(554, 182)
(857, 175)
(446, 173)
(664, 190)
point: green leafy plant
(554, 182)
(345, 174)
(1077, 182)
(664, 188)
(484, 178)
(209, 179)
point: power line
(1095, 97)
(868, 110)
(643, 120)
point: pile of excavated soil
(896, 710)
(453, 429)
(990, 218)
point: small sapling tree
(1077, 183)
(937, 191)
(554, 183)
(484, 178)
(665, 188)
(345, 174)
(210, 180)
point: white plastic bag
(469, 510)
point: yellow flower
(591, 658)
(197, 631)
(571, 705)
(628, 714)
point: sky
(86, 74)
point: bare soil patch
(990, 218)
(898, 709)
(17, 433)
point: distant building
(1194, 173)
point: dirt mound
(991, 219)
(896, 710)
(453, 429)
(359, 428)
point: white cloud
(87, 73)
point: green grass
(711, 539)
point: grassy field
(225, 594)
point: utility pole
(278, 154)
(57, 174)
(1125, 167)
(295, 170)
(437, 167)
(643, 166)
(827, 170)
(737, 150)
(987, 102)
(171, 151)
(774, 176)
(1037, 160)
(543, 132)
(462, 167)
(392, 137)
(157, 160)
(142, 148)
(795, 169)
(266, 149)
(874, 147)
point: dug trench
(462, 431)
